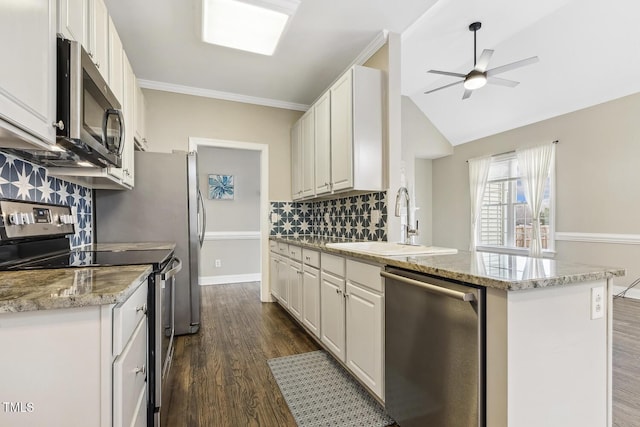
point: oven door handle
(174, 266)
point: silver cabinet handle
(140, 370)
(59, 124)
(308, 258)
(142, 308)
(463, 296)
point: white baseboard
(631, 293)
(231, 278)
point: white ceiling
(589, 53)
(588, 49)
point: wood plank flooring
(220, 376)
(626, 362)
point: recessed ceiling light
(250, 25)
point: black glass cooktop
(79, 258)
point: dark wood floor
(626, 362)
(220, 376)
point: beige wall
(172, 118)
(598, 174)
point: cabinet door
(296, 161)
(332, 314)
(295, 289)
(283, 282)
(274, 264)
(342, 133)
(308, 153)
(364, 335)
(128, 162)
(99, 37)
(27, 74)
(322, 111)
(116, 64)
(139, 110)
(311, 299)
(73, 20)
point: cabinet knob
(140, 370)
(142, 308)
(97, 65)
(90, 54)
(59, 125)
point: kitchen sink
(390, 248)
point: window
(505, 220)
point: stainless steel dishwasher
(434, 351)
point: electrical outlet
(597, 303)
(274, 218)
(218, 263)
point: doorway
(202, 144)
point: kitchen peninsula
(548, 330)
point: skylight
(250, 25)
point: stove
(35, 236)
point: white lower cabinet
(340, 301)
(295, 288)
(364, 323)
(311, 291)
(63, 367)
(332, 314)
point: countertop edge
(599, 272)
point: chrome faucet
(407, 231)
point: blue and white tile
(25, 183)
(7, 176)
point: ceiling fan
(480, 76)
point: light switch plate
(375, 216)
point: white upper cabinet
(27, 74)
(129, 117)
(73, 20)
(139, 110)
(296, 161)
(307, 134)
(99, 37)
(116, 64)
(346, 136)
(322, 112)
(356, 131)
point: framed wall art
(221, 187)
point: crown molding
(216, 94)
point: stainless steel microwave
(90, 123)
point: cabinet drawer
(365, 275)
(283, 249)
(127, 316)
(333, 264)
(295, 252)
(129, 376)
(311, 257)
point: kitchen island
(548, 332)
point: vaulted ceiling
(588, 52)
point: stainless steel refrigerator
(164, 206)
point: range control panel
(27, 220)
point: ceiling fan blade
(502, 82)
(512, 66)
(483, 62)
(467, 94)
(445, 86)
(447, 73)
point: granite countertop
(501, 271)
(33, 290)
(130, 246)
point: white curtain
(478, 173)
(534, 164)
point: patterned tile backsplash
(24, 181)
(346, 218)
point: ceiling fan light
(475, 81)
